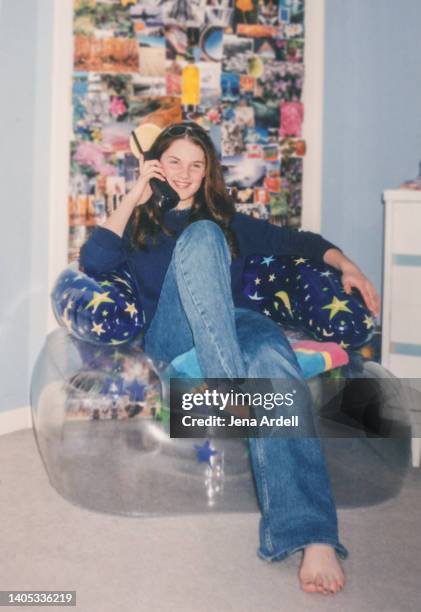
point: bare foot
(320, 570)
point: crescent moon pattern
(308, 295)
(284, 297)
(256, 297)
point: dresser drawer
(405, 282)
(406, 227)
(405, 323)
(404, 366)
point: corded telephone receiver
(165, 196)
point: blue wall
(17, 50)
(372, 119)
(25, 74)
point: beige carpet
(192, 563)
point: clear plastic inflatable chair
(101, 417)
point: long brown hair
(212, 201)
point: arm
(262, 237)
(103, 252)
(352, 276)
(108, 247)
(336, 259)
(259, 236)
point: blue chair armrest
(98, 309)
(308, 295)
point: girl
(187, 263)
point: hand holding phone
(142, 189)
(165, 196)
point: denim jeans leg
(293, 486)
(169, 333)
(196, 310)
(196, 306)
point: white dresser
(401, 314)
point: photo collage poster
(130, 62)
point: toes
(329, 585)
(325, 584)
(320, 585)
(338, 584)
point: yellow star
(257, 281)
(105, 284)
(98, 299)
(343, 344)
(299, 260)
(131, 308)
(337, 306)
(97, 328)
(368, 321)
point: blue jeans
(196, 309)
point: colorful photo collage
(234, 66)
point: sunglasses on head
(181, 129)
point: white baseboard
(13, 420)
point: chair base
(131, 467)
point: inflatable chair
(100, 405)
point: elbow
(90, 264)
(93, 267)
(95, 258)
(90, 268)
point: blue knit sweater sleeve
(257, 236)
(104, 251)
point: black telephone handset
(165, 196)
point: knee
(202, 235)
(272, 357)
(201, 229)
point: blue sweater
(105, 250)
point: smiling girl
(188, 263)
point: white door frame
(61, 135)
(313, 114)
